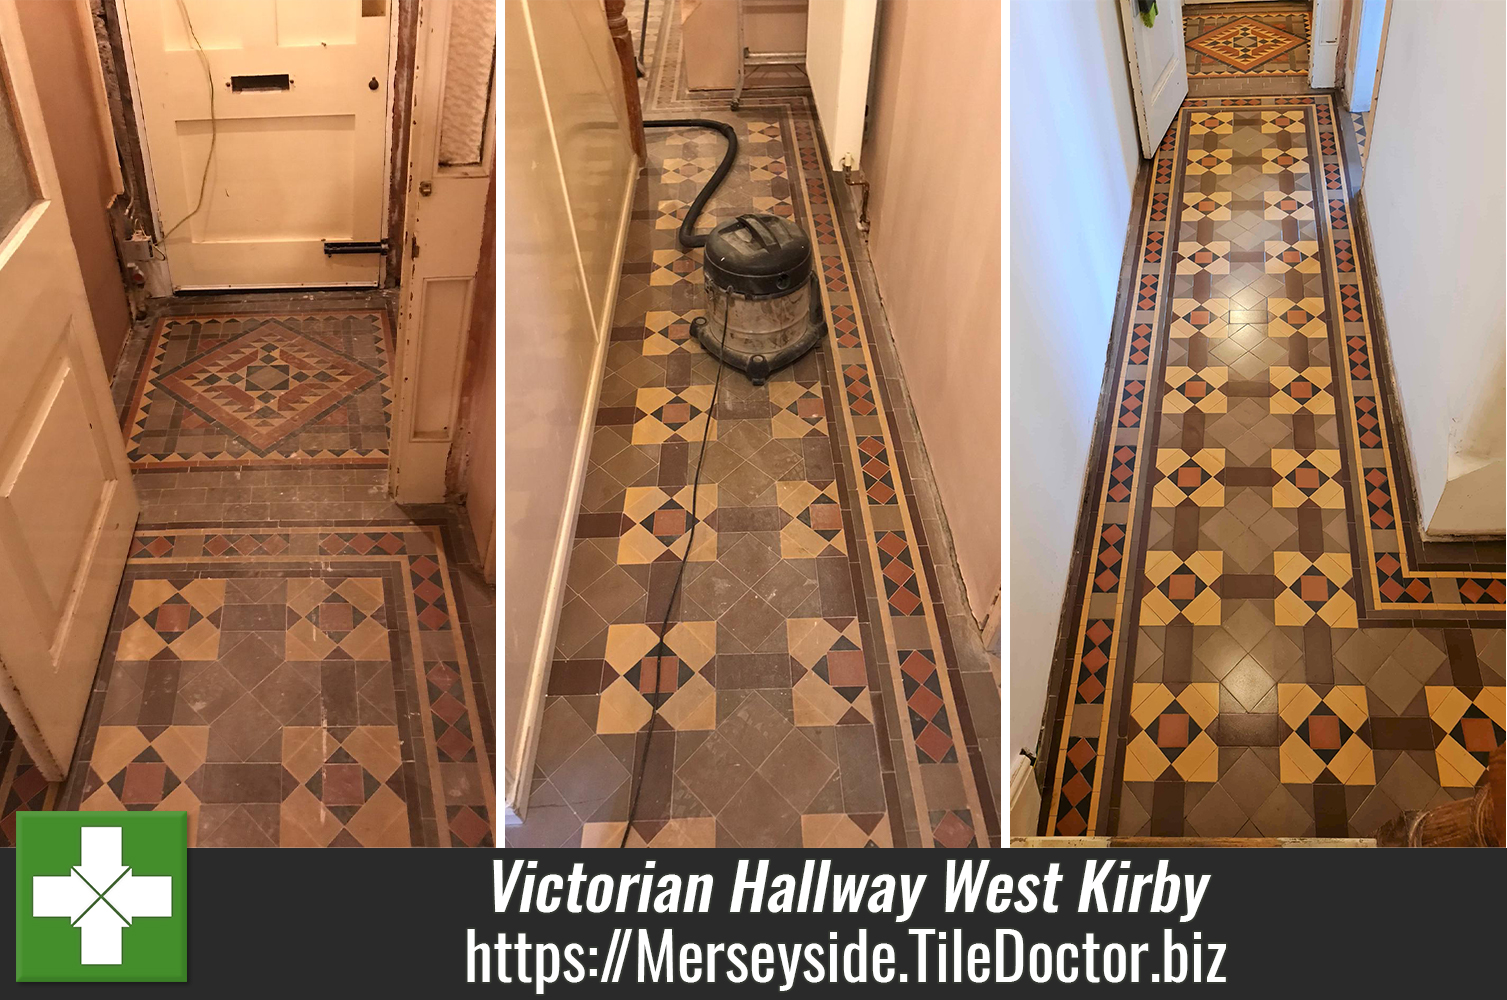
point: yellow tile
(305, 749)
(382, 821)
(1299, 765)
(376, 748)
(200, 642)
(693, 642)
(205, 596)
(622, 709)
(1295, 702)
(303, 821)
(182, 748)
(692, 707)
(1147, 701)
(139, 642)
(1199, 761)
(1447, 705)
(1348, 701)
(1490, 701)
(1457, 768)
(1354, 764)
(814, 703)
(1202, 702)
(114, 748)
(627, 644)
(148, 594)
(1144, 760)
(602, 834)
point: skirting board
(1025, 799)
(515, 794)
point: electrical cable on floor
(214, 127)
(688, 239)
(664, 625)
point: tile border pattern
(444, 699)
(1389, 589)
(137, 408)
(923, 676)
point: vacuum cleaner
(763, 308)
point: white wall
(1439, 248)
(839, 40)
(1073, 161)
(566, 191)
(944, 304)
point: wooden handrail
(617, 24)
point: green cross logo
(101, 897)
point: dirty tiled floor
(1262, 644)
(293, 659)
(812, 686)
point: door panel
(453, 91)
(1158, 68)
(297, 131)
(67, 507)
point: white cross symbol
(101, 896)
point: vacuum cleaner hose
(687, 235)
(688, 239)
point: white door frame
(157, 269)
(1325, 21)
(442, 232)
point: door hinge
(334, 248)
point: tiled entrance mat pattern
(1247, 40)
(295, 687)
(249, 390)
(1261, 647)
(808, 691)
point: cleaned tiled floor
(802, 702)
(293, 660)
(1263, 645)
(1263, 39)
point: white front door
(1158, 68)
(67, 507)
(287, 102)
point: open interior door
(67, 507)
(451, 159)
(1158, 68)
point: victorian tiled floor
(1261, 643)
(293, 660)
(1264, 39)
(813, 688)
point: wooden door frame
(420, 460)
(395, 137)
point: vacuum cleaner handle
(760, 231)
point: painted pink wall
(933, 160)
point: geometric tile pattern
(1247, 45)
(307, 699)
(796, 716)
(1472, 729)
(1280, 608)
(231, 391)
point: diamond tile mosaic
(1261, 39)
